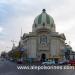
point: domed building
(43, 42)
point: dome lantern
(43, 10)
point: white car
(50, 62)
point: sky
(17, 14)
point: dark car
(72, 62)
(20, 61)
(63, 62)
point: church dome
(44, 21)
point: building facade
(43, 42)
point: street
(9, 68)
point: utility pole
(21, 33)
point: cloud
(17, 14)
(1, 29)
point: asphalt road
(10, 68)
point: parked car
(11, 59)
(2, 59)
(49, 62)
(20, 61)
(72, 62)
(63, 62)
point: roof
(44, 18)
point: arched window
(35, 25)
(43, 39)
(52, 25)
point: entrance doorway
(43, 57)
(56, 60)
